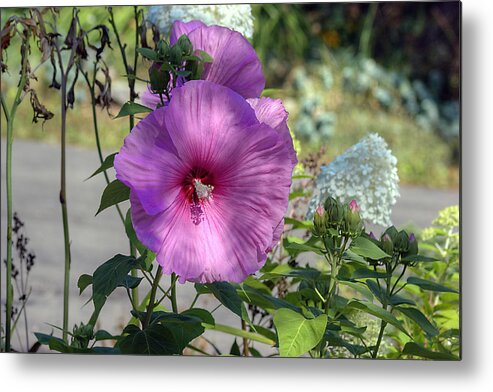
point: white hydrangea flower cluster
(366, 172)
(237, 17)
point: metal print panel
(267, 180)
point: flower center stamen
(202, 191)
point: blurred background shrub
(343, 70)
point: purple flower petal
(179, 28)
(233, 192)
(235, 63)
(272, 112)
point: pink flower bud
(320, 210)
(372, 236)
(353, 206)
(412, 238)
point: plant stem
(383, 324)
(8, 185)
(150, 306)
(63, 191)
(92, 91)
(173, 293)
(246, 351)
(131, 73)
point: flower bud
(353, 224)
(335, 212)
(392, 232)
(320, 221)
(401, 242)
(159, 78)
(162, 49)
(413, 246)
(387, 244)
(175, 55)
(185, 45)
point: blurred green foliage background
(342, 69)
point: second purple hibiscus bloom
(235, 63)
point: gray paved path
(96, 239)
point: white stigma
(203, 192)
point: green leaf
(168, 334)
(298, 335)
(226, 294)
(298, 224)
(296, 245)
(366, 248)
(359, 287)
(84, 281)
(272, 93)
(417, 350)
(261, 299)
(114, 193)
(419, 318)
(107, 164)
(130, 282)
(107, 278)
(361, 273)
(240, 333)
(147, 53)
(235, 349)
(296, 194)
(201, 314)
(377, 312)
(103, 335)
(132, 108)
(376, 290)
(429, 285)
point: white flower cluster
(237, 17)
(366, 172)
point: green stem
(383, 324)
(8, 185)
(152, 297)
(63, 191)
(173, 293)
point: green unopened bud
(320, 222)
(352, 219)
(335, 212)
(162, 49)
(185, 45)
(175, 55)
(392, 232)
(412, 249)
(158, 77)
(402, 242)
(387, 244)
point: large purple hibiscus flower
(209, 176)
(235, 63)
